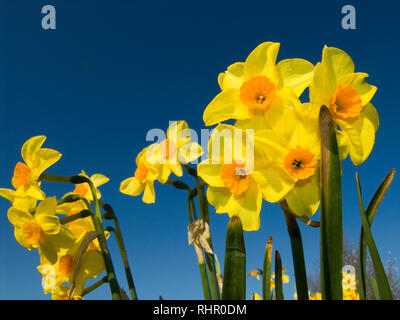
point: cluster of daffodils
(69, 253)
(262, 97)
(349, 284)
(157, 161)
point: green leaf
(278, 276)
(266, 275)
(381, 278)
(234, 285)
(331, 228)
(371, 211)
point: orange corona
(235, 177)
(21, 174)
(257, 93)
(141, 171)
(346, 102)
(300, 163)
(66, 264)
(32, 232)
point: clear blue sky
(112, 70)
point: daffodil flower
(348, 96)
(349, 281)
(42, 230)
(294, 145)
(176, 149)
(143, 181)
(258, 92)
(351, 294)
(83, 189)
(87, 262)
(316, 296)
(238, 179)
(255, 273)
(36, 161)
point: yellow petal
(131, 186)
(274, 182)
(247, 206)
(46, 158)
(149, 195)
(361, 136)
(337, 61)
(256, 122)
(92, 263)
(226, 105)
(284, 101)
(233, 78)
(322, 88)
(48, 251)
(295, 73)
(165, 171)
(261, 61)
(210, 173)
(218, 197)
(47, 206)
(99, 179)
(176, 168)
(18, 217)
(189, 152)
(50, 224)
(29, 149)
(304, 198)
(357, 80)
(179, 133)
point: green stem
(94, 286)
(79, 215)
(296, 243)
(122, 250)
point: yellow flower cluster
(261, 96)
(68, 255)
(157, 161)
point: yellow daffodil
(348, 96)
(42, 230)
(238, 179)
(258, 92)
(83, 189)
(256, 296)
(177, 148)
(316, 296)
(294, 145)
(349, 281)
(255, 273)
(351, 294)
(36, 161)
(76, 264)
(143, 181)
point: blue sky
(112, 70)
